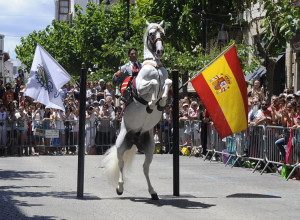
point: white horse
(141, 115)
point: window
(63, 10)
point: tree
(98, 39)
(95, 38)
(273, 32)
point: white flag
(46, 78)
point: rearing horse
(143, 113)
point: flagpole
(58, 64)
(211, 62)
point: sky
(18, 18)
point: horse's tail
(110, 163)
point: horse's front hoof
(160, 108)
(149, 110)
(120, 193)
(154, 196)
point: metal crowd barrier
(256, 144)
(259, 143)
(105, 132)
(216, 143)
(273, 157)
(210, 138)
(240, 146)
(47, 137)
(190, 136)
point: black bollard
(175, 113)
(81, 136)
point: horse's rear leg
(120, 153)
(121, 148)
(148, 159)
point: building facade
(293, 57)
(64, 9)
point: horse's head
(154, 37)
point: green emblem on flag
(43, 78)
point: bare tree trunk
(185, 78)
(270, 66)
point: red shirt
(8, 97)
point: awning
(257, 74)
(260, 71)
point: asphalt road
(45, 187)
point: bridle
(153, 42)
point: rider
(129, 69)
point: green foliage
(97, 39)
(280, 24)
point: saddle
(128, 91)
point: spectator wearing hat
(100, 90)
(95, 104)
(297, 97)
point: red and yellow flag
(223, 91)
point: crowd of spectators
(20, 116)
(283, 110)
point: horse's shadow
(179, 202)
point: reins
(159, 38)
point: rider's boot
(126, 96)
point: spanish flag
(223, 91)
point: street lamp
(107, 7)
(202, 14)
(222, 36)
(127, 36)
